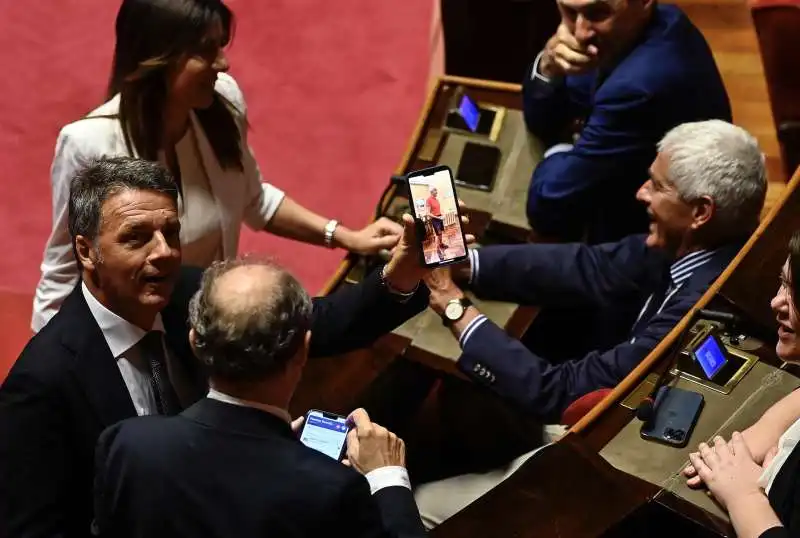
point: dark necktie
(152, 347)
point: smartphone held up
(435, 209)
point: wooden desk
(497, 215)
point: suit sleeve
(391, 512)
(35, 459)
(546, 106)
(354, 316)
(59, 269)
(508, 368)
(103, 499)
(563, 186)
(565, 274)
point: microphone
(730, 320)
(647, 407)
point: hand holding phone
(370, 446)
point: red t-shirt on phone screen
(434, 208)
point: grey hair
(103, 178)
(724, 162)
(251, 339)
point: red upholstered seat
(581, 406)
(777, 24)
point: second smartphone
(434, 203)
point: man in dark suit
(704, 197)
(119, 346)
(230, 465)
(626, 72)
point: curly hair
(251, 333)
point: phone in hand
(434, 203)
(675, 413)
(326, 433)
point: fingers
(703, 470)
(360, 419)
(689, 471)
(709, 457)
(386, 242)
(721, 448)
(389, 227)
(739, 447)
(574, 57)
(297, 424)
(470, 238)
(694, 482)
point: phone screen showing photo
(436, 208)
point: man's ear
(703, 210)
(306, 347)
(87, 255)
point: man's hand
(564, 55)
(443, 289)
(728, 470)
(383, 234)
(371, 446)
(297, 425)
(404, 271)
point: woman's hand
(728, 470)
(383, 234)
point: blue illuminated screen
(469, 111)
(710, 356)
(326, 435)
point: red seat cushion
(581, 406)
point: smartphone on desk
(434, 204)
(675, 413)
(326, 433)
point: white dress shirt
(122, 338)
(786, 445)
(380, 478)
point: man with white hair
(704, 198)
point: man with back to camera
(119, 346)
(704, 197)
(629, 70)
(235, 451)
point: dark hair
(794, 264)
(151, 36)
(104, 178)
(248, 340)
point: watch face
(454, 311)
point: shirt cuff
(535, 75)
(387, 477)
(558, 148)
(473, 265)
(470, 328)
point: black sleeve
(775, 532)
(355, 316)
(102, 497)
(390, 513)
(36, 478)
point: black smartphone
(478, 166)
(326, 433)
(675, 413)
(435, 207)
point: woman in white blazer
(171, 101)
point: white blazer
(242, 197)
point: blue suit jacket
(667, 79)
(611, 277)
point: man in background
(624, 72)
(230, 465)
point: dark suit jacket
(784, 497)
(609, 277)
(219, 470)
(668, 78)
(65, 388)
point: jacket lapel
(95, 369)
(221, 188)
